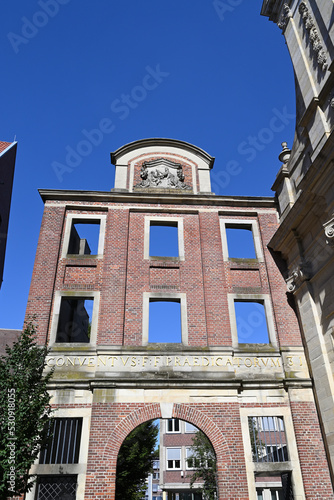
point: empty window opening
(173, 458)
(164, 321)
(173, 425)
(251, 322)
(63, 442)
(164, 239)
(56, 487)
(240, 242)
(84, 238)
(75, 319)
(268, 440)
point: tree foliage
(24, 411)
(203, 459)
(134, 461)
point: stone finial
(284, 154)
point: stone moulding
(284, 18)
(162, 173)
(329, 232)
(313, 35)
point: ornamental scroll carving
(329, 231)
(162, 173)
(286, 14)
(300, 274)
(314, 37)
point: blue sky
(218, 77)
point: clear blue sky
(222, 81)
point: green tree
(24, 411)
(203, 460)
(134, 461)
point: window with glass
(173, 458)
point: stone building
(235, 367)
(305, 191)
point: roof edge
(160, 141)
(11, 144)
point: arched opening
(166, 459)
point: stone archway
(120, 420)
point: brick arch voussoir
(210, 429)
(128, 424)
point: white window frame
(174, 448)
(164, 221)
(241, 224)
(74, 294)
(70, 217)
(173, 425)
(188, 449)
(190, 431)
(260, 298)
(172, 297)
(284, 412)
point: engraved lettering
(256, 361)
(177, 361)
(127, 359)
(275, 362)
(219, 359)
(196, 361)
(300, 361)
(205, 361)
(60, 359)
(69, 361)
(48, 361)
(156, 360)
(91, 361)
(265, 362)
(133, 361)
(290, 360)
(237, 360)
(101, 360)
(169, 360)
(248, 361)
(112, 358)
(145, 359)
(186, 361)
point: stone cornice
(153, 198)
(272, 9)
(144, 143)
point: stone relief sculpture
(314, 37)
(162, 173)
(283, 20)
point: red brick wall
(122, 275)
(111, 423)
(312, 457)
(44, 273)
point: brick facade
(212, 379)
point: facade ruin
(93, 309)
